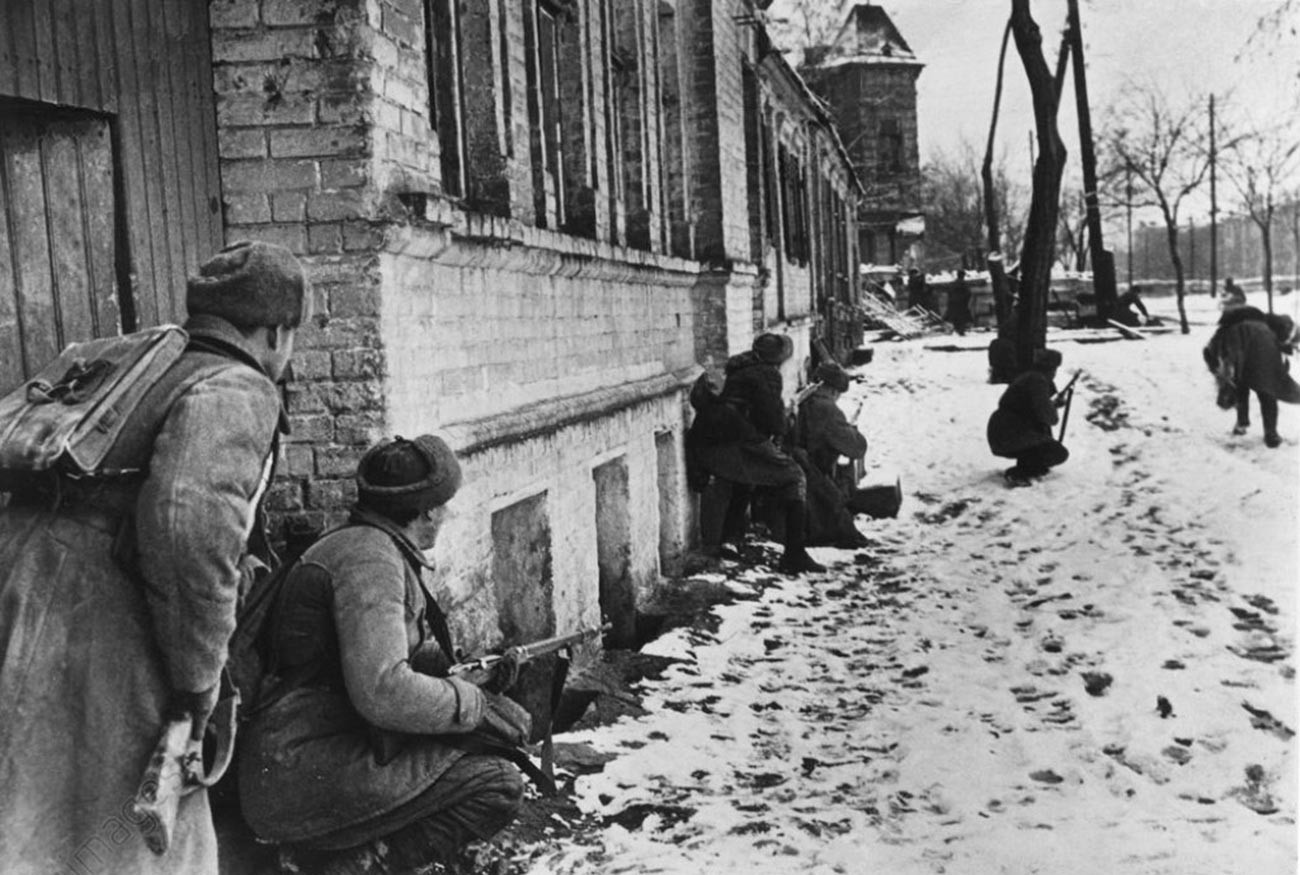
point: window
(445, 90)
(542, 52)
(890, 149)
(754, 161)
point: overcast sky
(1187, 47)
(1190, 47)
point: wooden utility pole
(1214, 210)
(1128, 210)
(1103, 262)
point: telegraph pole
(1214, 210)
(1128, 209)
(1103, 263)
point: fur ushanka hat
(773, 348)
(832, 375)
(399, 477)
(250, 285)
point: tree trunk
(1039, 247)
(1266, 227)
(1180, 290)
(997, 273)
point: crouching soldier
(118, 591)
(733, 441)
(1021, 427)
(363, 755)
(823, 435)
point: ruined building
(528, 224)
(867, 75)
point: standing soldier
(118, 593)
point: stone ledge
(553, 414)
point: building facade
(528, 225)
(867, 75)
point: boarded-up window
(445, 92)
(58, 264)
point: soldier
(357, 757)
(733, 442)
(1021, 427)
(118, 594)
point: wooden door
(58, 261)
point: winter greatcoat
(90, 652)
(1245, 349)
(350, 628)
(732, 435)
(1024, 417)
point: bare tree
(1072, 236)
(1039, 248)
(1261, 166)
(799, 25)
(955, 209)
(1163, 146)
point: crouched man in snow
(1246, 354)
(1021, 427)
(363, 755)
(822, 435)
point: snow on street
(977, 692)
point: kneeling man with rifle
(368, 750)
(1021, 427)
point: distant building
(867, 75)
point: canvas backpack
(65, 419)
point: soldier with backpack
(135, 467)
(364, 752)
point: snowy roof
(868, 35)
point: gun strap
(557, 692)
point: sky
(1186, 47)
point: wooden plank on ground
(1127, 331)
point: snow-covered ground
(978, 691)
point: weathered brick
(289, 12)
(403, 28)
(311, 428)
(337, 461)
(358, 364)
(251, 110)
(246, 209)
(284, 496)
(241, 143)
(298, 461)
(362, 236)
(262, 45)
(325, 238)
(355, 300)
(337, 205)
(268, 175)
(232, 13)
(329, 494)
(344, 173)
(310, 365)
(358, 429)
(323, 141)
(355, 397)
(307, 398)
(288, 206)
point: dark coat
(348, 631)
(827, 434)
(92, 651)
(1024, 417)
(1246, 352)
(957, 310)
(732, 435)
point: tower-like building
(867, 75)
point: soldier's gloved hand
(194, 706)
(505, 719)
(505, 672)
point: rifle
(805, 393)
(481, 669)
(176, 770)
(1068, 394)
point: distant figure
(1128, 306)
(1232, 294)
(958, 312)
(918, 292)
(1021, 427)
(1245, 355)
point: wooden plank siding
(142, 71)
